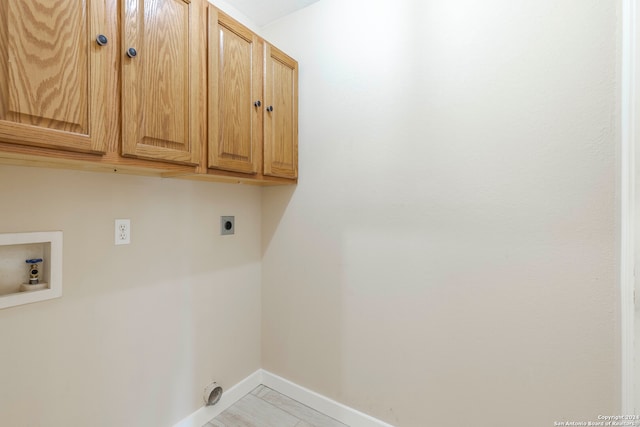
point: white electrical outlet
(123, 231)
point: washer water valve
(34, 272)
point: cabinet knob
(270, 108)
(102, 40)
(131, 52)
(257, 103)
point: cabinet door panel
(281, 115)
(53, 74)
(162, 101)
(235, 85)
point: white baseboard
(229, 397)
(320, 403)
(335, 410)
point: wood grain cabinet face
(253, 102)
(53, 75)
(235, 95)
(161, 90)
(163, 99)
(281, 114)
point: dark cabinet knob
(257, 103)
(270, 108)
(102, 40)
(132, 53)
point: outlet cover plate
(123, 232)
(227, 225)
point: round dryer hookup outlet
(212, 394)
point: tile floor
(264, 407)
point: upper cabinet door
(163, 80)
(281, 114)
(53, 74)
(235, 95)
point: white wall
(140, 329)
(448, 257)
(236, 14)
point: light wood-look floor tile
(260, 391)
(264, 407)
(251, 411)
(298, 410)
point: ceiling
(262, 12)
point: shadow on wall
(317, 300)
(275, 201)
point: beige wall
(448, 257)
(140, 329)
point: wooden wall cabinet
(104, 78)
(146, 87)
(163, 80)
(52, 74)
(253, 103)
(235, 95)
(281, 117)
